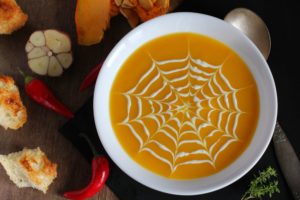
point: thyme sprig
(264, 184)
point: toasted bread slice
(13, 113)
(29, 168)
(11, 16)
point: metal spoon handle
(288, 160)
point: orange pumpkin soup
(184, 106)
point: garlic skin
(49, 52)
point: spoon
(256, 30)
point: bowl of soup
(185, 104)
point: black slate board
(128, 189)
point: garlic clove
(54, 68)
(57, 41)
(29, 46)
(39, 65)
(36, 52)
(65, 59)
(37, 39)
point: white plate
(205, 25)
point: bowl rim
(98, 116)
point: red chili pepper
(90, 78)
(100, 172)
(40, 93)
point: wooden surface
(41, 128)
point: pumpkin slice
(147, 10)
(129, 3)
(164, 4)
(136, 10)
(146, 4)
(114, 10)
(131, 16)
(118, 2)
(91, 19)
(141, 10)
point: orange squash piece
(91, 19)
(146, 10)
(132, 18)
(114, 11)
(146, 15)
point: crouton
(29, 168)
(11, 16)
(13, 113)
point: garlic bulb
(49, 52)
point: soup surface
(184, 106)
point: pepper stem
(87, 139)
(27, 78)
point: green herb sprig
(262, 185)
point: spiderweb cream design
(192, 95)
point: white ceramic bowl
(212, 27)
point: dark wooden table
(42, 126)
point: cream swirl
(187, 87)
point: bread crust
(11, 16)
(13, 113)
(30, 168)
